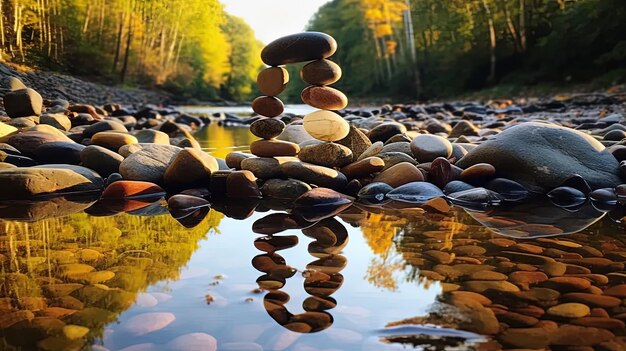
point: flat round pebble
(272, 80)
(267, 128)
(326, 125)
(268, 106)
(325, 98)
(569, 310)
(321, 72)
(427, 147)
(299, 47)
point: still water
(75, 276)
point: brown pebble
(271, 148)
(321, 72)
(272, 80)
(363, 168)
(478, 172)
(268, 106)
(325, 98)
(593, 300)
(400, 174)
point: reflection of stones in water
(60, 275)
(536, 293)
(321, 278)
(537, 219)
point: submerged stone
(476, 198)
(415, 192)
(510, 190)
(567, 197)
(374, 192)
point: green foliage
(532, 42)
(189, 46)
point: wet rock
(604, 196)
(272, 244)
(25, 183)
(271, 148)
(22, 103)
(554, 269)
(356, 141)
(393, 158)
(326, 126)
(287, 189)
(101, 160)
(542, 156)
(403, 147)
(300, 47)
(242, 185)
(234, 159)
(59, 152)
(400, 174)
(478, 173)
(265, 167)
(476, 198)
(267, 128)
(129, 189)
(456, 186)
(326, 154)
(313, 174)
(324, 97)
(181, 205)
(567, 197)
(149, 163)
(385, 131)
(428, 147)
(190, 167)
(415, 192)
(593, 300)
(374, 192)
(508, 189)
(268, 106)
(271, 82)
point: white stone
(326, 125)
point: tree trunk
(2, 39)
(522, 25)
(118, 43)
(492, 43)
(129, 39)
(510, 26)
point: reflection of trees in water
(85, 270)
(322, 277)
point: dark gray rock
(542, 156)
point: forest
(402, 49)
(192, 48)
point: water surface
(140, 280)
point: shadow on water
(79, 274)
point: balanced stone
(241, 185)
(300, 47)
(321, 72)
(22, 103)
(265, 167)
(268, 106)
(234, 159)
(326, 154)
(271, 148)
(427, 147)
(285, 189)
(267, 128)
(325, 98)
(326, 125)
(272, 81)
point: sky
(272, 19)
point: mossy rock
(92, 317)
(60, 290)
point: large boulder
(542, 156)
(23, 103)
(32, 182)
